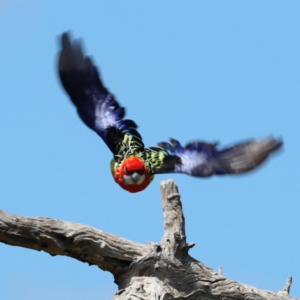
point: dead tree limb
(154, 271)
(87, 244)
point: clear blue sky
(212, 70)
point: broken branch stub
(154, 271)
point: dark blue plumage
(97, 108)
(100, 111)
(203, 159)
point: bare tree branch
(87, 244)
(159, 271)
(168, 272)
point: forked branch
(153, 271)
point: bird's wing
(202, 159)
(96, 106)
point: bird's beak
(135, 176)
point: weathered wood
(159, 271)
(168, 272)
(87, 244)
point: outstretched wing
(96, 106)
(202, 159)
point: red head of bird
(132, 174)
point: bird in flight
(133, 165)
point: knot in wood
(156, 248)
(173, 196)
(177, 237)
(140, 289)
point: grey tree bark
(159, 271)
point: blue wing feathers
(165, 146)
(202, 159)
(101, 112)
(96, 107)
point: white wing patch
(190, 160)
(104, 114)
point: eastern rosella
(133, 166)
